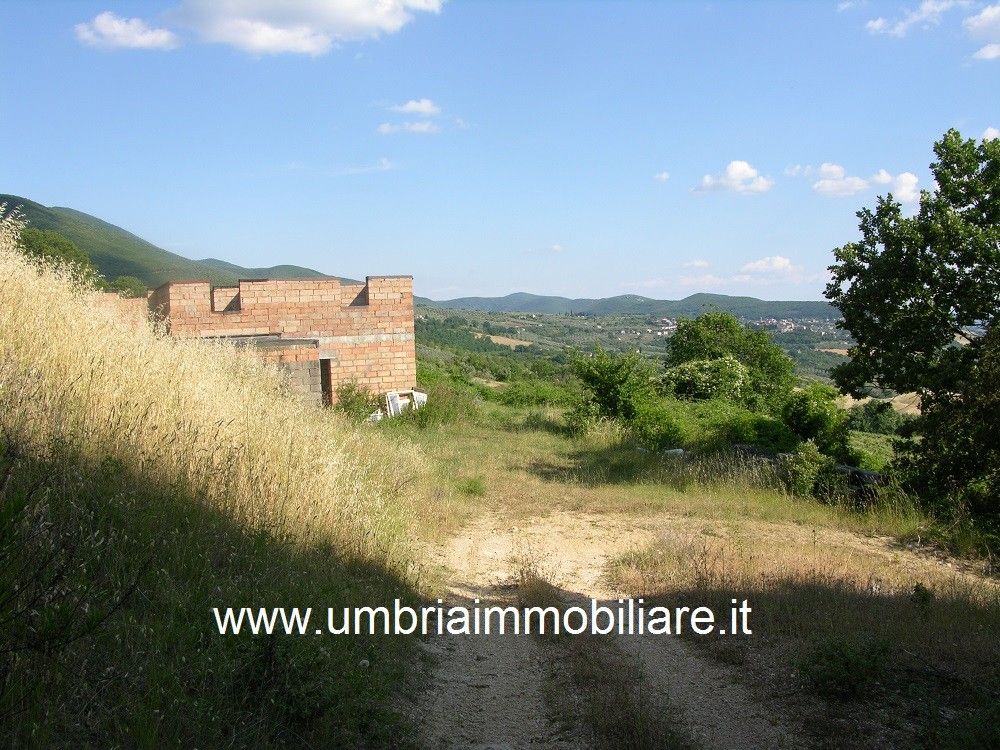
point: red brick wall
(366, 330)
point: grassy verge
(145, 480)
(892, 650)
(523, 459)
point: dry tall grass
(145, 480)
(200, 418)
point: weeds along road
(520, 691)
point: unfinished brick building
(325, 332)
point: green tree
(812, 414)
(45, 244)
(128, 286)
(956, 464)
(716, 335)
(616, 383)
(920, 295)
(913, 285)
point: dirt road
(489, 691)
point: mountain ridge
(634, 304)
(117, 252)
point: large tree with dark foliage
(920, 295)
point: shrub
(843, 669)
(877, 417)
(473, 486)
(617, 383)
(534, 392)
(812, 414)
(718, 425)
(655, 427)
(129, 287)
(47, 245)
(447, 403)
(800, 470)
(356, 402)
(583, 417)
(724, 378)
(873, 452)
(715, 335)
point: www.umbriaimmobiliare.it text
(624, 617)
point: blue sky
(583, 149)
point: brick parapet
(365, 331)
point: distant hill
(272, 272)
(744, 307)
(117, 252)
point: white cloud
(882, 177)
(422, 127)
(739, 176)
(846, 5)
(986, 25)
(989, 52)
(991, 134)
(905, 188)
(661, 176)
(309, 27)
(424, 107)
(556, 248)
(835, 182)
(928, 13)
(109, 30)
(904, 185)
(772, 264)
(697, 263)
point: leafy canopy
(617, 384)
(128, 286)
(44, 244)
(718, 335)
(913, 285)
(921, 296)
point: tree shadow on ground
(109, 636)
(862, 669)
(626, 465)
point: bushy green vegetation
(878, 417)
(129, 286)
(356, 402)
(720, 337)
(812, 413)
(51, 247)
(710, 396)
(635, 398)
(919, 295)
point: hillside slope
(692, 306)
(117, 252)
